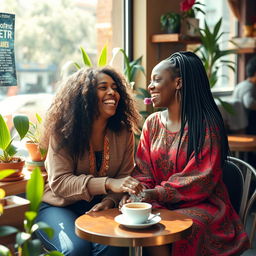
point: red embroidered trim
(105, 161)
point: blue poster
(7, 57)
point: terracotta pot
(17, 166)
(34, 152)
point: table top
(100, 227)
(19, 186)
(242, 142)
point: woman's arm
(62, 179)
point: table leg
(135, 251)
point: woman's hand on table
(127, 184)
(103, 205)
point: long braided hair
(198, 108)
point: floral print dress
(196, 190)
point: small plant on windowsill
(37, 153)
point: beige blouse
(69, 182)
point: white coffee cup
(137, 212)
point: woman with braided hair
(89, 136)
(180, 158)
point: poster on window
(7, 58)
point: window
(48, 37)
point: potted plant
(37, 154)
(190, 24)
(8, 160)
(26, 243)
(213, 57)
(170, 22)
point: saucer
(121, 220)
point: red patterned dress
(194, 190)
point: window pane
(48, 37)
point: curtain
(235, 6)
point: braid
(198, 110)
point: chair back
(239, 178)
(234, 181)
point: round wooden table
(242, 143)
(100, 227)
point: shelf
(246, 50)
(175, 38)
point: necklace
(105, 160)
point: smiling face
(108, 96)
(162, 86)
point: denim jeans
(62, 220)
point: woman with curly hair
(89, 134)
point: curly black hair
(70, 117)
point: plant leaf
(77, 65)
(7, 230)
(39, 118)
(22, 237)
(21, 124)
(34, 247)
(4, 251)
(54, 253)
(86, 58)
(11, 150)
(102, 61)
(6, 173)
(5, 136)
(43, 226)
(34, 189)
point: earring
(178, 95)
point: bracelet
(106, 184)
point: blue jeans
(62, 220)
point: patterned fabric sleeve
(143, 168)
(195, 182)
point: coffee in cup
(137, 212)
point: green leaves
(86, 58)
(102, 61)
(34, 189)
(4, 251)
(210, 52)
(7, 230)
(5, 136)
(6, 173)
(21, 124)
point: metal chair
(239, 178)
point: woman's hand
(127, 184)
(103, 205)
(126, 199)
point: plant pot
(31, 165)
(173, 29)
(17, 166)
(34, 152)
(190, 27)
